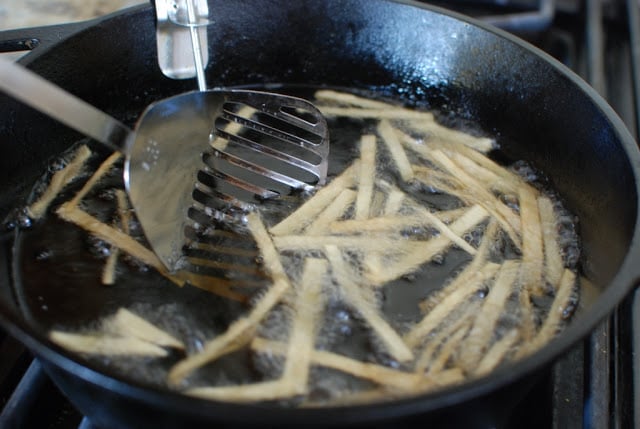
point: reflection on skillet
(422, 263)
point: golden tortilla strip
(399, 156)
(300, 218)
(353, 294)
(106, 345)
(242, 330)
(59, 180)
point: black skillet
(538, 110)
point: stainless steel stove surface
(596, 384)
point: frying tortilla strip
(97, 175)
(109, 270)
(532, 250)
(449, 347)
(354, 295)
(397, 113)
(379, 374)
(467, 283)
(255, 392)
(497, 353)
(387, 393)
(69, 212)
(428, 249)
(242, 330)
(366, 176)
(297, 220)
(106, 345)
(438, 132)
(309, 306)
(478, 194)
(59, 180)
(554, 266)
(125, 323)
(563, 300)
(399, 156)
(361, 243)
(325, 95)
(126, 243)
(393, 203)
(432, 361)
(483, 329)
(488, 178)
(334, 211)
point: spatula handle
(33, 90)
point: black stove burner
(591, 386)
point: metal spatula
(164, 153)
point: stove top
(592, 386)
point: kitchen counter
(28, 13)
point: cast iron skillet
(538, 110)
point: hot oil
(59, 270)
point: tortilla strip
(334, 211)
(486, 319)
(496, 353)
(97, 175)
(361, 243)
(428, 360)
(439, 132)
(106, 345)
(59, 180)
(366, 176)
(241, 331)
(554, 266)
(369, 371)
(399, 156)
(478, 194)
(532, 250)
(422, 254)
(126, 323)
(109, 270)
(324, 95)
(353, 295)
(264, 391)
(355, 112)
(465, 284)
(309, 306)
(395, 198)
(561, 302)
(297, 220)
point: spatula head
(204, 155)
